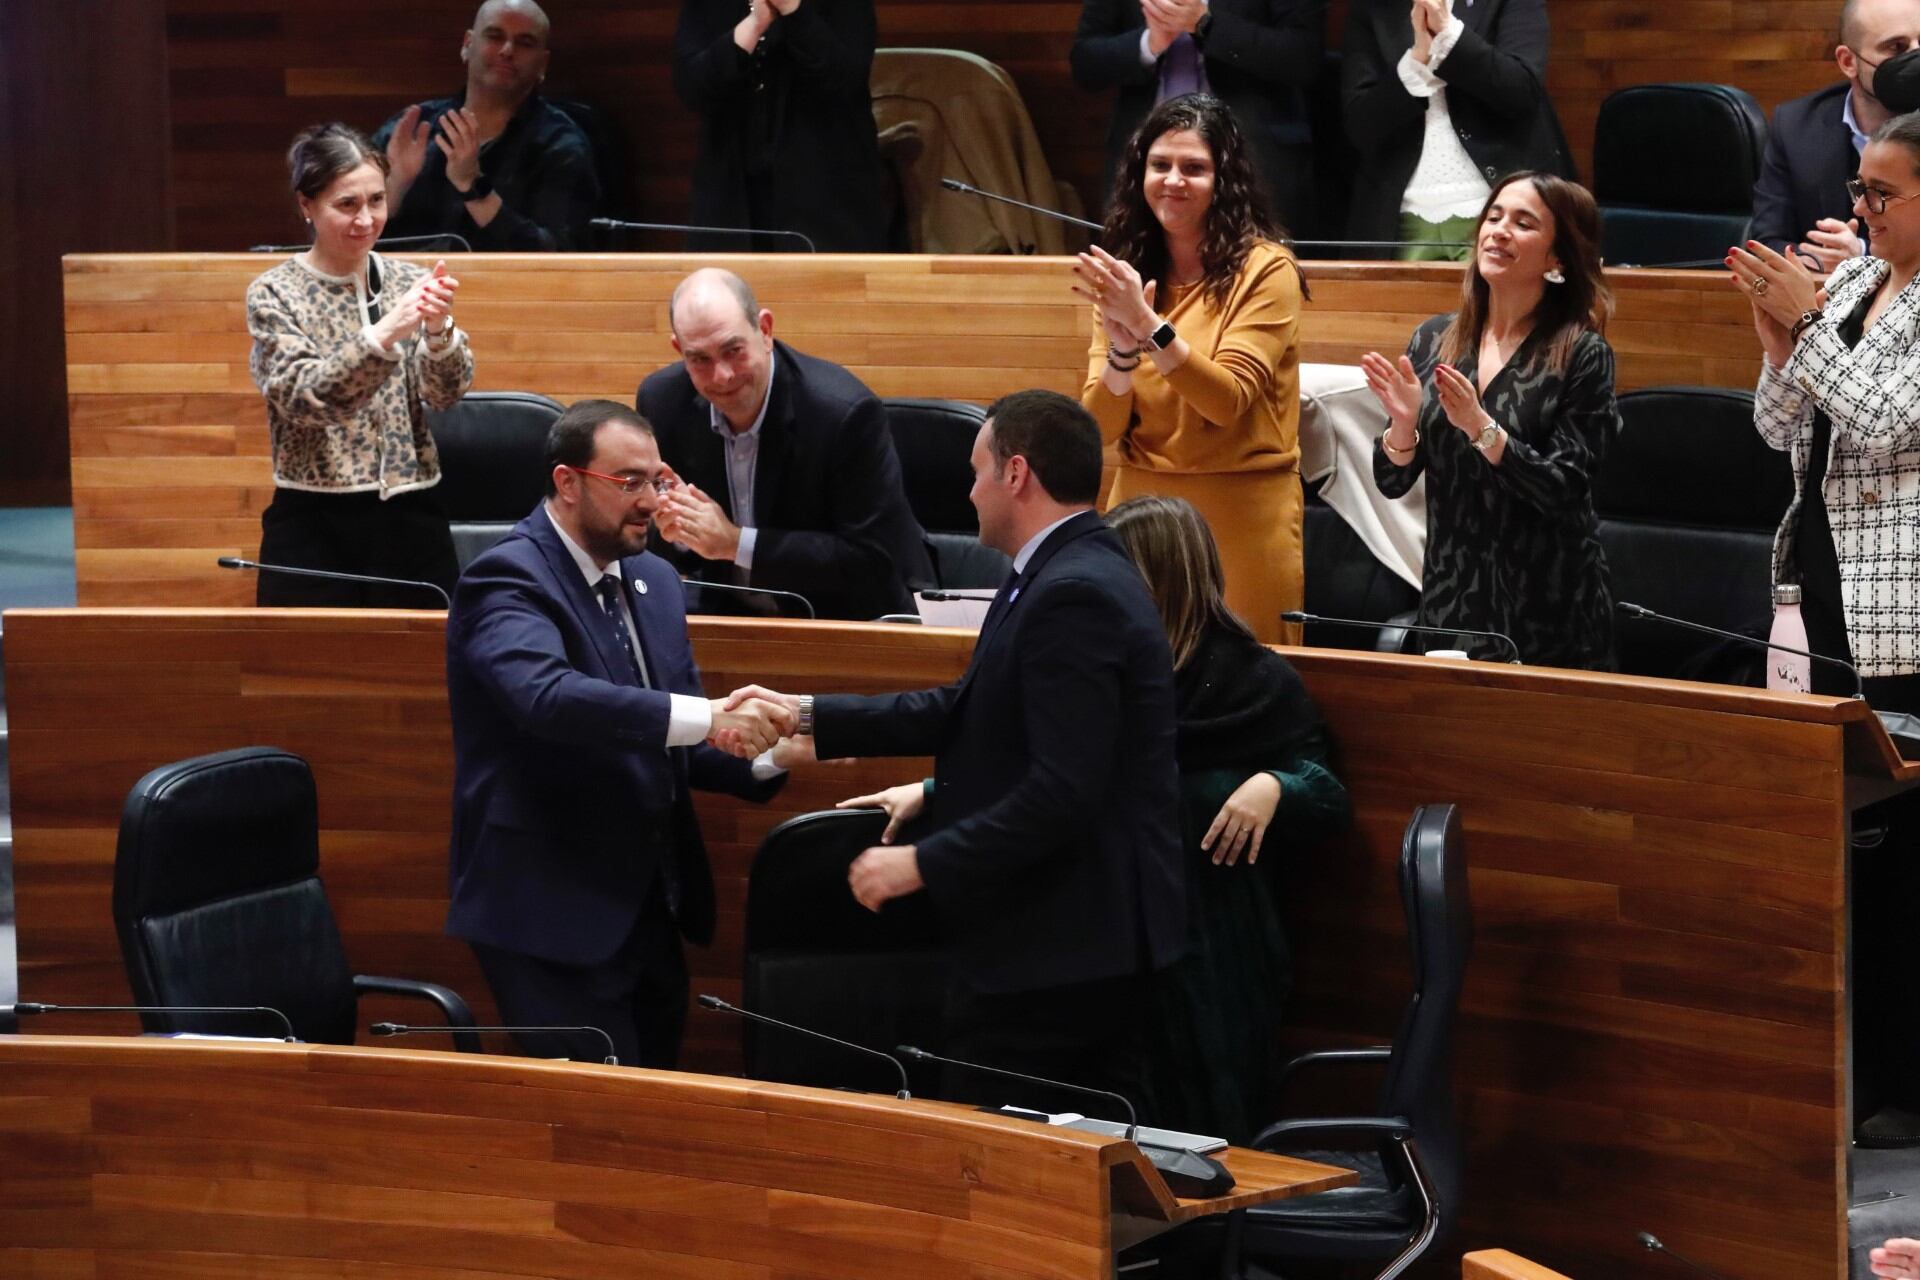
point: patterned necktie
(1180, 69)
(609, 593)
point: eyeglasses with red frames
(629, 485)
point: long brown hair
(1566, 311)
(1237, 220)
(1170, 541)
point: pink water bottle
(1789, 671)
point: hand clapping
(1780, 286)
(1114, 288)
(407, 148)
(1461, 400)
(428, 302)
(698, 523)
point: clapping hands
(429, 302)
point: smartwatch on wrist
(1161, 338)
(482, 188)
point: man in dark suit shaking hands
(578, 727)
(1053, 851)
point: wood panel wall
(1653, 1029)
(246, 74)
(170, 452)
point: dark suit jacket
(1496, 97)
(1261, 56)
(1055, 853)
(795, 118)
(828, 502)
(1804, 173)
(567, 804)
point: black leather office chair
(1689, 497)
(217, 900)
(934, 439)
(818, 958)
(1410, 1165)
(611, 153)
(493, 463)
(1673, 170)
(1346, 580)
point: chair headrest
(493, 453)
(1690, 456)
(934, 439)
(213, 827)
(1692, 147)
(797, 890)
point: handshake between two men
(753, 720)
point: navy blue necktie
(609, 592)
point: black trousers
(1086, 1033)
(639, 996)
(404, 537)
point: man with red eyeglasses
(579, 727)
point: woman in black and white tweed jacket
(349, 349)
(1840, 390)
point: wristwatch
(1162, 338)
(482, 188)
(1489, 436)
(806, 714)
(1807, 320)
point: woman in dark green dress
(1252, 752)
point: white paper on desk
(968, 613)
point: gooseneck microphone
(620, 224)
(1641, 611)
(27, 1008)
(1652, 1244)
(921, 1055)
(966, 189)
(408, 1029)
(1297, 615)
(753, 591)
(715, 1002)
(959, 595)
(333, 575)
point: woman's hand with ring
(1116, 288)
(1781, 286)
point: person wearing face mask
(1839, 391)
(350, 349)
(1195, 369)
(1814, 144)
(1507, 407)
(499, 166)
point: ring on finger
(1759, 286)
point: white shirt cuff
(373, 345)
(764, 767)
(743, 554)
(1146, 52)
(1423, 80)
(689, 720)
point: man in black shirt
(498, 165)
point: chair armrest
(1394, 637)
(1374, 1126)
(1372, 1053)
(452, 1007)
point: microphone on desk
(620, 224)
(1641, 611)
(1298, 615)
(1188, 1174)
(27, 1008)
(333, 575)
(754, 591)
(716, 1003)
(408, 1029)
(1653, 1244)
(439, 240)
(958, 595)
(967, 189)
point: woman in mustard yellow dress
(1194, 374)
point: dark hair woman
(1194, 372)
(348, 348)
(1507, 407)
(1252, 751)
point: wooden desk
(220, 1159)
(169, 436)
(1653, 1030)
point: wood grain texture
(174, 1157)
(1499, 1264)
(1652, 1032)
(171, 459)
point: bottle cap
(1786, 593)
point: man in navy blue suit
(578, 727)
(1053, 853)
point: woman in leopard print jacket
(350, 349)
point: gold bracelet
(1391, 449)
